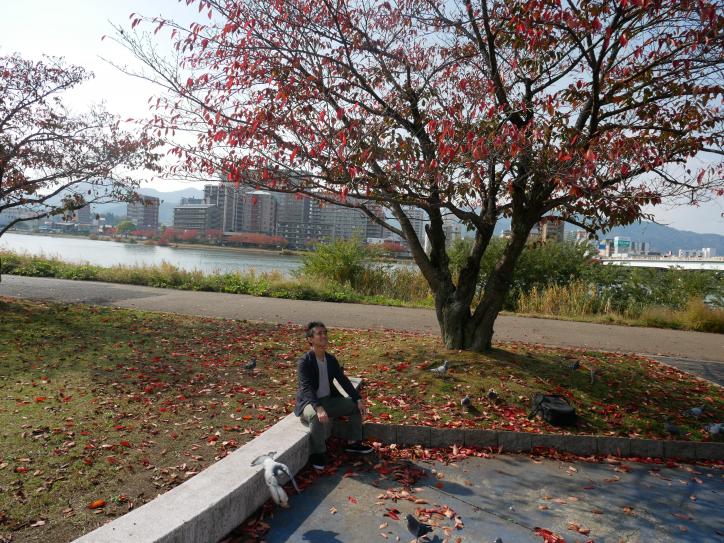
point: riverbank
(208, 246)
(697, 316)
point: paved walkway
(508, 496)
(696, 352)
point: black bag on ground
(554, 408)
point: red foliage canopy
(586, 111)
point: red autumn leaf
(352, 499)
(39, 399)
(97, 504)
(548, 536)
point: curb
(584, 445)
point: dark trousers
(335, 407)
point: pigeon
(696, 411)
(417, 528)
(498, 540)
(575, 365)
(672, 428)
(715, 428)
(441, 370)
(272, 470)
(492, 395)
(466, 401)
(251, 364)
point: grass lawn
(117, 405)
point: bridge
(715, 263)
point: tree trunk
(496, 289)
(453, 318)
(474, 332)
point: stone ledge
(211, 504)
(584, 445)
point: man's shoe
(358, 447)
(318, 461)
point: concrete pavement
(508, 496)
(696, 352)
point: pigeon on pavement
(417, 528)
(498, 540)
(441, 370)
(272, 471)
(251, 364)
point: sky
(73, 29)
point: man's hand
(362, 406)
(322, 415)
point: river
(109, 253)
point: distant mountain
(169, 200)
(662, 238)
(665, 238)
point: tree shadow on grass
(628, 393)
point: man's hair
(311, 326)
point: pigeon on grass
(715, 428)
(249, 366)
(672, 428)
(466, 401)
(442, 369)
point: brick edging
(524, 441)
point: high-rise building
(343, 222)
(83, 215)
(258, 213)
(552, 230)
(374, 229)
(418, 217)
(197, 217)
(229, 198)
(621, 245)
(144, 213)
(452, 230)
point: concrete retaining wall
(523, 441)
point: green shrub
(699, 316)
(342, 261)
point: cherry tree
(53, 161)
(581, 111)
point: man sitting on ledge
(319, 401)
